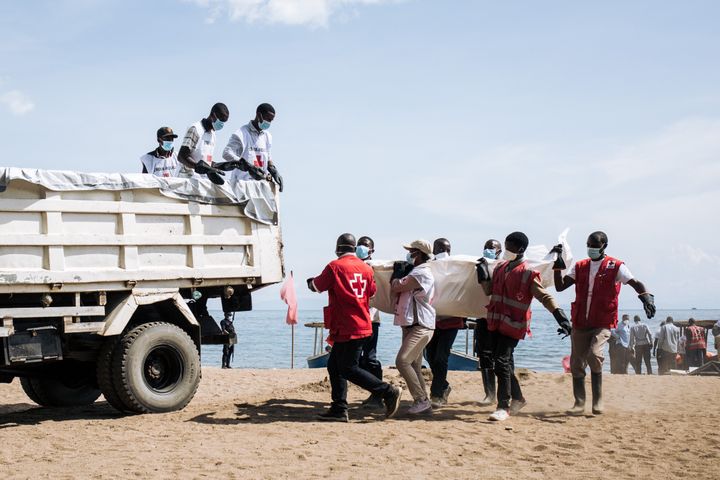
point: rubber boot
(488, 377)
(579, 394)
(597, 403)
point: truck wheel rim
(163, 368)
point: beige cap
(422, 245)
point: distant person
(619, 350)
(227, 327)
(667, 346)
(198, 146)
(492, 250)
(641, 343)
(438, 349)
(682, 353)
(250, 147)
(350, 284)
(415, 314)
(716, 334)
(696, 344)
(162, 162)
(597, 281)
(511, 289)
(369, 360)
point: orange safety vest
(509, 309)
(697, 338)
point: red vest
(509, 309)
(697, 338)
(604, 302)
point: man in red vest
(350, 285)
(511, 289)
(594, 312)
(696, 344)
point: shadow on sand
(16, 417)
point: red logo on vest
(358, 285)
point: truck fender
(121, 315)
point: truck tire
(29, 390)
(105, 375)
(156, 368)
(71, 386)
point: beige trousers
(409, 359)
(587, 350)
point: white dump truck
(105, 278)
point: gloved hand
(228, 166)
(310, 284)
(562, 320)
(256, 173)
(275, 176)
(648, 301)
(483, 272)
(215, 175)
(401, 269)
(559, 262)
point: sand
(260, 424)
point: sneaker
(392, 401)
(421, 406)
(334, 416)
(437, 402)
(517, 405)
(446, 394)
(499, 415)
(373, 402)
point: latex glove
(562, 320)
(256, 173)
(648, 301)
(483, 272)
(228, 166)
(401, 270)
(215, 175)
(559, 262)
(310, 284)
(275, 176)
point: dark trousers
(642, 352)
(438, 352)
(368, 358)
(695, 358)
(483, 344)
(343, 365)
(508, 386)
(228, 352)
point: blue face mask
(218, 125)
(409, 258)
(362, 252)
(167, 145)
(263, 125)
(490, 253)
(594, 253)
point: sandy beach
(261, 424)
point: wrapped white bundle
(457, 291)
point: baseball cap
(422, 245)
(165, 132)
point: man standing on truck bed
(249, 148)
(161, 162)
(350, 284)
(198, 146)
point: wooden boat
(465, 361)
(319, 358)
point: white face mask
(509, 256)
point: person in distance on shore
(226, 325)
(415, 314)
(368, 358)
(641, 343)
(438, 349)
(161, 162)
(511, 289)
(666, 346)
(350, 284)
(695, 345)
(198, 146)
(597, 281)
(491, 251)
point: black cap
(165, 132)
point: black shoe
(373, 402)
(392, 401)
(334, 416)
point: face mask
(594, 253)
(509, 256)
(167, 145)
(218, 125)
(409, 258)
(490, 253)
(264, 125)
(362, 252)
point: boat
(465, 361)
(319, 358)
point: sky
(405, 119)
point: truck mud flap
(33, 345)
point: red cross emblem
(358, 285)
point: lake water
(264, 339)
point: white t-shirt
(417, 300)
(623, 276)
(251, 144)
(160, 166)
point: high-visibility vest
(697, 338)
(509, 309)
(603, 312)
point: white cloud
(315, 13)
(696, 256)
(17, 102)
